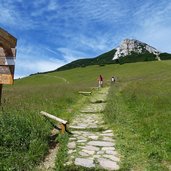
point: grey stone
(96, 156)
(84, 162)
(107, 131)
(92, 148)
(76, 132)
(111, 152)
(108, 164)
(71, 145)
(77, 127)
(90, 152)
(114, 158)
(108, 135)
(71, 139)
(82, 138)
(100, 143)
(81, 141)
(100, 152)
(93, 137)
(108, 139)
(108, 148)
(83, 154)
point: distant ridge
(105, 58)
(129, 51)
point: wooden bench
(85, 92)
(63, 123)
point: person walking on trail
(100, 81)
(113, 80)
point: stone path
(92, 145)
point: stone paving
(92, 148)
(85, 121)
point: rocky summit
(128, 46)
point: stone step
(93, 150)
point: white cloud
(97, 43)
(153, 23)
(52, 5)
(70, 54)
(32, 59)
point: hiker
(100, 79)
(113, 80)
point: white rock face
(128, 46)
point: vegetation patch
(139, 112)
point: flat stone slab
(84, 162)
(71, 145)
(94, 108)
(108, 164)
(101, 143)
(86, 121)
(112, 157)
(92, 148)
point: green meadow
(138, 110)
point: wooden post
(62, 128)
(0, 93)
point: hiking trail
(92, 144)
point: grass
(62, 152)
(139, 111)
(24, 133)
(140, 116)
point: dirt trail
(62, 78)
(49, 163)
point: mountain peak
(128, 46)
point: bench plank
(53, 117)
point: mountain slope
(105, 58)
(129, 51)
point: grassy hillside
(102, 59)
(24, 134)
(138, 111)
(107, 58)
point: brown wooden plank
(7, 52)
(7, 38)
(9, 70)
(6, 79)
(2, 52)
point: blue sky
(52, 33)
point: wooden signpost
(7, 58)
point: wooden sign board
(7, 52)
(6, 79)
(7, 39)
(6, 74)
(7, 57)
(7, 61)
